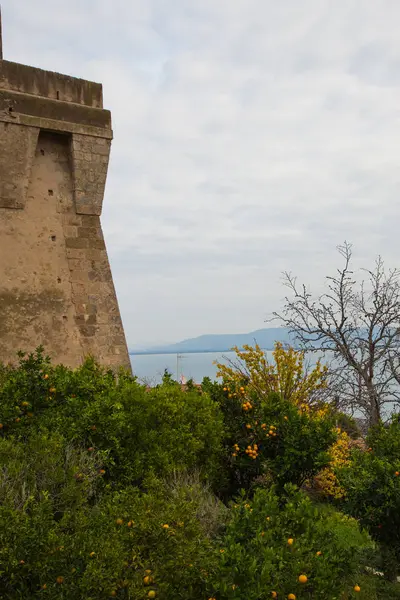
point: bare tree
(357, 326)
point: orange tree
(283, 546)
(274, 425)
(371, 481)
(125, 545)
(270, 437)
(134, 429)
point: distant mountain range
(265, 338)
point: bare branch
(357, 326)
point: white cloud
(250, 137)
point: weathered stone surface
(29, 80)
(56, 287)
(17, 146)
(90, 161)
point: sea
(149, 368)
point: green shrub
(372, 491)
(110, 548)
(294, 450)
(136, 430)
(271, 541)
(45, 466)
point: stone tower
(56, 287)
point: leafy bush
(102, 489)
(128, 544)
(326, 483)
(275, 546)
(267, 436)
(372, 485)
(276, 427)
(136, 430)
(286, 376)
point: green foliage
(300, 447)
(134, 429)
(372, 484)
(105, 482)
(272, 540)
(105, 550)
(347, 424)
(294, 450)
(374, 587)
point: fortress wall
(56, 286)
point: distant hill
(265, 338)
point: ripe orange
(147, 580)
(130, 523)
(44, 586)
(92, 554)
(290, 541)
(60, 580)
(397, 473)
(17, 420)
(166, 526)
(151, 594)
(274, 595)
(303, 578)
(1, 425)
(291, 597)
(46, 376)
(357, 588)
(119, 521)
(318, 553)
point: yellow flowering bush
(286, 376)
(326, 481)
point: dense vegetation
(247, 489)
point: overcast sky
(250, 137)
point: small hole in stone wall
(65, 317)
(58, 95)
(42, 151)
(10, 109)
(58, 279)
(51, 192)
(53, 238)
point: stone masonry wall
(90, 157)
(56, 286)
(20, 143)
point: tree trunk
(374, 409)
